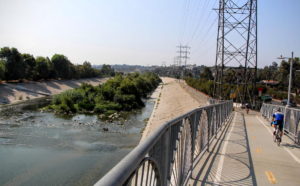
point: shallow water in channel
(43, 149)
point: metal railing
(167, 156)
(291, 119)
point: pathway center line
(221, 161)
(271, 177)
(287, 150)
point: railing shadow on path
(290, 146)
(238, 160)
(212, 155)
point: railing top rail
(282, 106)
(128, 164)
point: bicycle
(277, 135)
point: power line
(205, 3)
(184, 19)
(201, 21)
(208, 35)
(199, 9)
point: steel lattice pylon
(237, 46)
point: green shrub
(117, 94)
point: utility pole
(237, 46)
(290, 77)
(183, 51)
(290, 80)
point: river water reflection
(42, 149)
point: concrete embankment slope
(15, 92)
(174, 98)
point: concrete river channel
(40, 148)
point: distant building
(190, 67)
(269, 82)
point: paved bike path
(246, 155)
(272, 164)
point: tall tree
(87, 70)
(207, 74)
(107, 70)
(30, 63)
(296, 75)
(61, 65)
(284, 74)
(42, 68)
(230, 76)
(2, 69)
(14, 65)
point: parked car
(266, 98)
(292, 103)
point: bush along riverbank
(123, 93)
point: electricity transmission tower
(237, 46)
(183, 56)
(176, 61)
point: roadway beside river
(173, 98)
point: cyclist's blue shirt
(278, 116)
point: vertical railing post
(166, 153)
(208, 129)
(217, 120)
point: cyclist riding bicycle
(247, 105)
(278, 121)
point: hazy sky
(144, 32)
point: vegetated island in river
(123, 93)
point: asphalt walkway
(244, 154)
